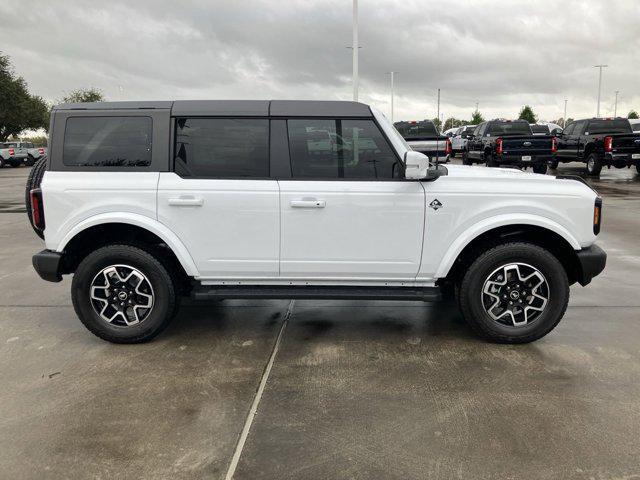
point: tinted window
(480, 129)
(540, 129)
(569, 129)
(222, 147)
(416, 130)
(609, 126)
(510, 128)
(107, 142)
(340, 149)
(579, 127)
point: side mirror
(416, 165)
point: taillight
(554, 145)
(608, 144)
(499, 146)
(11, 152)
(41, 151)
(37, 210)
(597, 216)
(448, 149)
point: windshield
(509, 128)
(539, 129)
(411, 130)
(609, 126)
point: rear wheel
(540, 168)
(123, 294)
(488, 159)
(594, 165)
(553, 164)
(30, 161)
(1, 162)
(15, 164)
(514, 293)
(638, 168)
(465, 159)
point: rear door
(563, 142)
(219, 199)
(475, 145)
(346, 212)
(577, 140)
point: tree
(437, 123)
(527, 114)
(633, 114)
(19, 110)
(452, 122)
(476, 118)
(83, 95)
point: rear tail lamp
(597, 216)
(37, 209)
(12, 152)
(499, 146)
(448, 148)
(41, 151)
(608, 144)
(554, 145)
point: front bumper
(47, 263)
(591, 261)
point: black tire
(553, 164)
(15, 164)
(33, 181)
(638, 168)
(163, 286)
(488, 159)
(2, 162)
(30, 161)
(452, 154)
(540, 168)
(471, 296)
(465, 159)
(594, 165)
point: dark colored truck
(501, 143)
(599, 142)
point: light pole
(564, 119)
(354, 49)
(438, 116)
(599, 87)
(392, 77)
(615, 105)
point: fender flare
(491, 223)
(153, 226)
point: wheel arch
(547, 235)
(100, 230)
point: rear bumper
(592, 261)
(47, 263)
(517, 159)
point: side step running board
(218, 292)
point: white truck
(422, 136)
(146, 202)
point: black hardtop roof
(274, 108)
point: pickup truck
(148, 202)
(598, 142)
(422, 136)
(460, 138)
(12, 153)
(505, 142)
(17, 153)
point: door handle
(186, 201)
(308, 203)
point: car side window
(222, 147)
(480, 129)
(107, 142)
(569, 129)
(340, 148)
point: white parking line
(256, 400)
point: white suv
(146, 202)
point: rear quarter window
(108, 141)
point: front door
(220, 201)
(346, 213)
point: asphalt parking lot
(356, 390)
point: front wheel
(594, 165)
(465, 159)
(15, 164)
(540, 168)
(514, 293)
(123, 294)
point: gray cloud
(502, 54)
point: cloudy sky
(501, 54)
